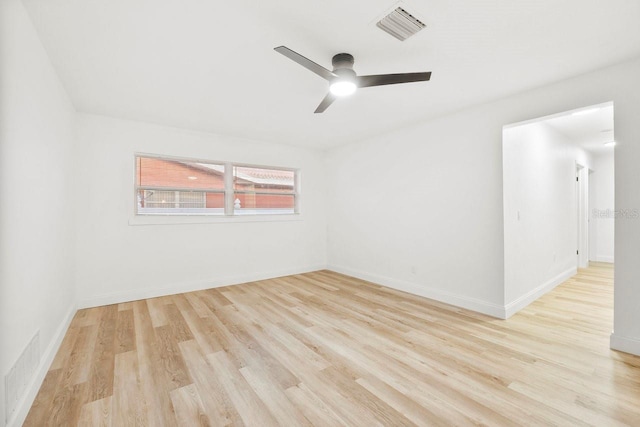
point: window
(171, 186)
(260, 190)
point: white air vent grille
(400, 24)
(20, 375)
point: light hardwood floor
(326, 349)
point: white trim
(625, 344)
(582, 194)
(560, 114)
(208, 161)
(603, 258)
(24, 405)
(518, 304)
(176, 288)
(210, 219)
(472, 304)
(228, 189)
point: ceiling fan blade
(305, 62)
(392, 79)
(328, 100)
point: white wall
(430, 196)
(36, 211)
(602, 189)
(540, 211)
(120, 262)
(626, 335)
(420, 209)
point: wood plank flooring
(327, 350)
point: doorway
(557, 199)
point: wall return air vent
(400, 24)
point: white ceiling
(590, 128)
(210, 65)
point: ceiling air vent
(400, 24)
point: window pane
(155, 172)
(160, 201)
(256, 203)
(175, 187)
(263, 180)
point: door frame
(582, 214)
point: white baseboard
(625, 344)
(23, 407)
(468, 303)
(518, 304)
(603, 258)
(177, 288)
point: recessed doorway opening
(558, 198)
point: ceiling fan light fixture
(342, 87)
(343, 81)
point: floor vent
(19, 376)
(400, 24)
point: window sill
(209, 219)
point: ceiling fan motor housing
(342, 60)
(343, 67)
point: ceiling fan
(343, 80)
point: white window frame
(229, 196)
